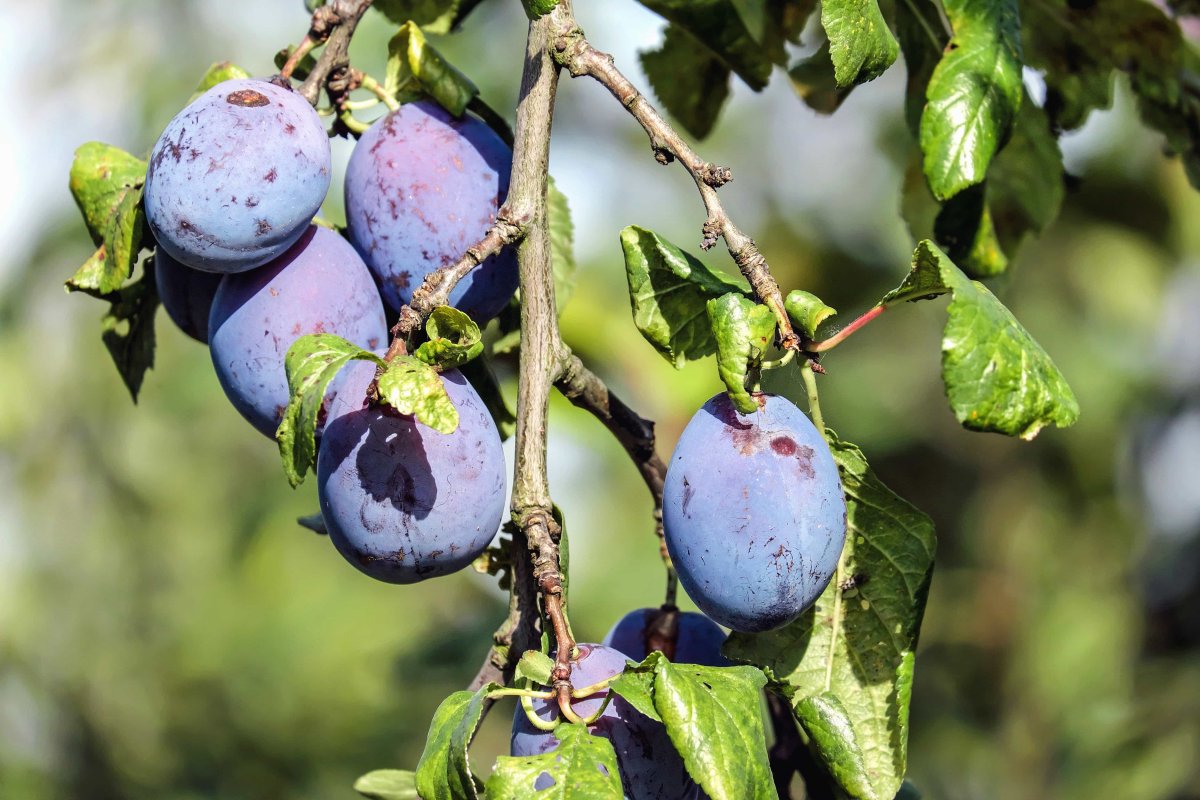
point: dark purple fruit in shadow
(753, 512)
(186, 294)
(422, 187)
(319, 285)
(698, 639)
(401, 501)
(237, 176)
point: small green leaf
(310, 364)
(388, 784)
(127, 330)
(688, 79)
(219, 73)
(813, 79)
(91, 276)
(453, 339)
(411, 386)
(973, 94)
(562, 244)
(444, 771)
(536, 666)
(997, 377)
(807, 311)
(434, 16)
(712, 716)
(743, 331)
(860, 43)
(636, 685)
(716, 25)
(669, 290)
(107, 185)
(582, 767)
(848, 660)
(414, 65)
(538, 8)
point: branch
(333, 24)
(580, 58)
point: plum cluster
(231, 192)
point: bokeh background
(168, 631)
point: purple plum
(186, 294)
(698, 639)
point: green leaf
(848, 660)
(536, 666)
(310, 364)
(388, 784)
(688, 79)
(713, 717)
(813, 79)
(717, 25)
(453, 339)
(669, 290)
(636, 685)
(411, 386)
(973, 95)
(743, 331)
(562, 244)
(923, 39)
(127, 330)
(101, 176)
(997, 377)
(965, 228)
(807, 311)
(435, 16)
(582, 767)
(860, 43)
(479, 374)
(444, 771)
(414, 66)
(538, 8)
(219, 73)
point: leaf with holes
(582, 767)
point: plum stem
(846, 332)
(304, 48)
(534, 719)
(373, 86)
(814, 399)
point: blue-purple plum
(401, 501)
(421, 187)
(319, 285)
(753, 512)
(698, 639)
(650, 766)
(186, 294)
(237, 176)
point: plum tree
(319, 285)
(401, 501)
(650, 766)
(698, 639)
(237, 176)
(421, 187)
(753, 512)
(186, 294)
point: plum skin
(698, 641)
(753, 512)
(236, 177)
(319, 285)
(421, 187)
(401, 501)
(186, 294)
(651, 768)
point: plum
(319, 285)
(753, 512)
(421, 187)
(237, 176)
(698, 639)
(186, 294)
(401, 501)
(651, 768)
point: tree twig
(334, 24)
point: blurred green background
(168, 631)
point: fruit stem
(534, 719)
(304, 48)
(365, 81)
(814, 400)
(783, 361)
(530, 693)
(846, 332)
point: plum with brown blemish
(421, 187)
(319, 285)
(401, 501)
(186, 294)
(242, 139)
(753, 512)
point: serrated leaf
(536, 666)
(582, 767)
(415, 65)
(973, 95)
(435, 16)
(688, 79)
(411, 386)
(127, 330)
(535, 9)
(813, 79)
(453, 339)
(807, 310)
(743, 331)
(444, 771)
(712, 716)
(310, 364)
(562, 244)
(388, 784)
(669, 291)
(856, 650)
(717, 25)
(219, 72)
(997, 377)
(861, 45)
